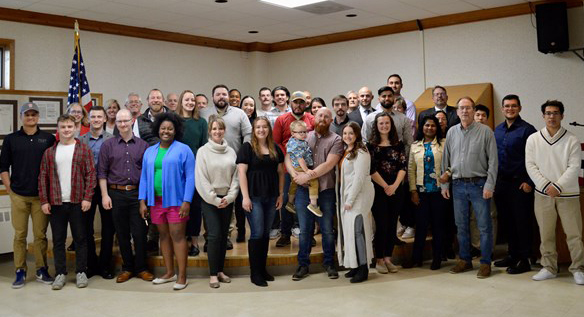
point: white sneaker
(544, 274)
(81, 280)
(409, 233)
(296, 232)
(579, 277)
(59, 282)
(274, 234)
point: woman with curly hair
(167, 185)
(388, 170)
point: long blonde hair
(255, 143)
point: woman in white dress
(356, 195)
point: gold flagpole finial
(76, 27)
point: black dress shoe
(506, 262)
(107, 275)
(407, 264)
(361, 275)
(436, 264)
(521, 267)
(194, 250)
(229, 245)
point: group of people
(289, 159)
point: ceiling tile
(132, 21)
(96, 16)
(484, 4)
(75, 4)
(188, 7)
(50, 9)
(442, 7)
(114, 8)
(170, 27)
(16, 4)
(270, 11)
(393, 9)
(147, 3)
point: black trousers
(195, 217)
(430, 212)
(129, 226)
(239, 215)
(104, 262)
(385, 211)
(60, 217)
(217, 221)
(515, 209)
(449, 225)
(406, 213)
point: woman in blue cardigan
(167, 185)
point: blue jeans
(466, 193)
(261, 216)
(326, 201)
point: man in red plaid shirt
(66, 183)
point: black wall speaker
(552, 27)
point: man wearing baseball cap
(20, 162)
(282, 134)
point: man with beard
(282, 134)
(237, 131)
(340, 107)
(155, 106)
(265, 98)
(401, 122)
(353, 101)
(280, 95)
(171, 101)
(327, 149)
(395, 82)
(440, 99)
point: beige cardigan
(416, 162)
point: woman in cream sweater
(217, 182)
(354, 209)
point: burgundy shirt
(120, 162)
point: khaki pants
(547, 210)
(24, 207)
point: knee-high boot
(254, 247)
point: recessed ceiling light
(221, 1)
(352, 15)
(253, 32)
(292, 3)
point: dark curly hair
(439, 135)
(171, 117)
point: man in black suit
(440, 98)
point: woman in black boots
(261, 176)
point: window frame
(7, 73)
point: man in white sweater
(552, 159)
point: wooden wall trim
(145, 33)
(10, 44)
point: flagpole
(78, 59)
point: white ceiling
(233, 20)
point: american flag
(78, 86)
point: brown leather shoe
(146, 276)
(461, 266)
(484, 271)
(123, 277)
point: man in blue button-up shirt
(514, 189)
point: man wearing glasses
(552, 159)
(440, 99)
(119, 169)
(470, 157)
(514, 189)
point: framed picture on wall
(8, 117)
(49, 110)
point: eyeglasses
(552, 113)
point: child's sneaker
(42, 275)
(315, 210)
(290, 207)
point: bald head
(124, 122)
(365, 97)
